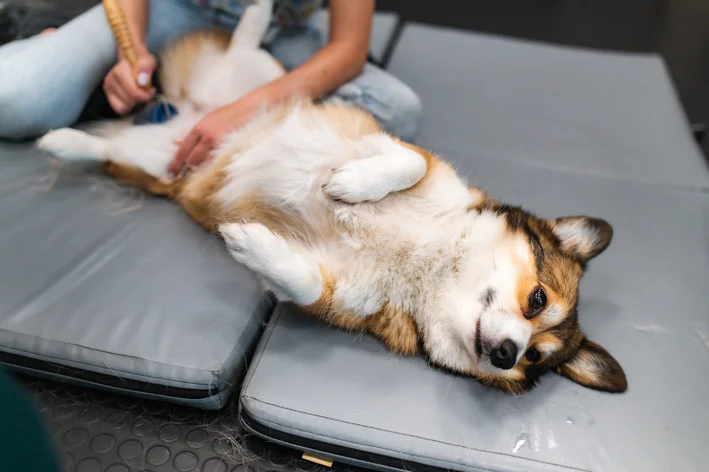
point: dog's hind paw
(72, 145)
(252, 242)
(291, 276)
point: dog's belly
(287, 166)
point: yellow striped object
(119, 26)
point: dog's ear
(593, 367)
(582, 236)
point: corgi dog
(361, 230)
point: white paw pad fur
(358, 181)
(252, 242)
(289, 275)
(71, 144)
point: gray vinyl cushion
(602, 113)
(644, 299)
(382, 31)
(99, 280)
(562, 132)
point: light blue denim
(46, 81)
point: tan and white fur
(362, 230)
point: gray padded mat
(644, 299)
(382, 30)
(105, 280)
(602, 113)
(102, 432)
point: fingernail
(143, 79)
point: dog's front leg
(292, 276)
(390, 167)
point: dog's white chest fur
(221, 82)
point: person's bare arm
(340, 60)
(120, 84)
(343, 58)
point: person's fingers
(112, 86)
(117, 98)
(126, 81)
(119, 106)
(183, 152)
(145, 69)
(199, 153)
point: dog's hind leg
(253, 25)
(292, 275)
(138, 178)
(295, 276)
(148, 147)
(73, 145)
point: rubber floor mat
(103, 432)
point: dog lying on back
(361, 230)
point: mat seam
(693, 189)
(23, 351)
(391, 432)
(265, 339)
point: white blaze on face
(503, 320)
(496, 260)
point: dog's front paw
(71, 144)
(356, 182)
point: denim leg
(47, 80)
(394, 104)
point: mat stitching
(94, 350)
(392, 432)
(273, 322)
(269, 310)
(119, 370)
(345, 458)
(266, 339)
(582, 172)
(135, 394)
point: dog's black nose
(505, 355)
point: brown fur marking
(138, 178)
(396, 329)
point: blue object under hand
(156, 114)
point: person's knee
(22, 116)
(396, 107)
(11, 112)
(407, 112)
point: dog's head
(512, 314)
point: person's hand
(123, 90)
(195, 148)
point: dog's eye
(532, 355)
(537, 302)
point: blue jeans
(46, 81)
